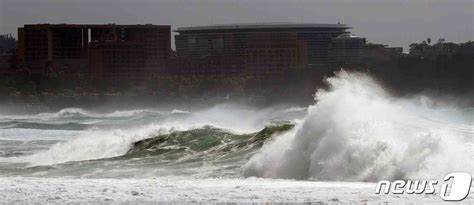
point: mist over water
(354, 132)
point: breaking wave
(112, 135)
(357, 132)
(203, 151)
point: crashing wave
(68, 112)
(357, 132)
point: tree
(8, 44)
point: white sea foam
(295, 109)
(185, 190)
(357, 132)
(176, 111)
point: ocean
(333, 151)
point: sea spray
(357, 132)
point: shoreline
(179, 190)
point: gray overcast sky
(392, 22)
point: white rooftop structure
(274, 25)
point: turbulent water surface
(332, 151)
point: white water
(183, 190)
(356, 132)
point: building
(346, 49)
(257, 49)
(129, 52)
(7, 61)
(7, 44)
(380, 52)
(105, 51)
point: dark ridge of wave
(8, 124)
(43, 126)
(206, 143)
(15, 148)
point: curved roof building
(266, 47)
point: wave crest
(357, 132)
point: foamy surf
(185, 190)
